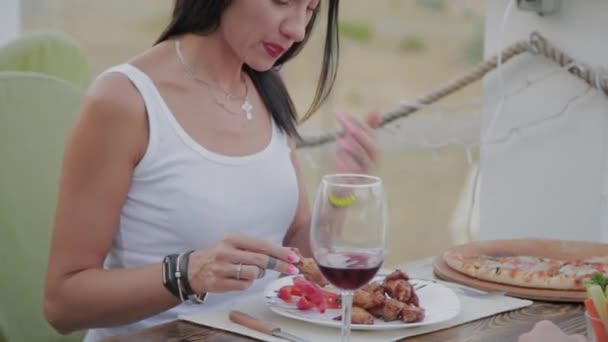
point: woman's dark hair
(204, 16)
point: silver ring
(238, 271)
(261, 272)
(272, 263)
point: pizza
(528, 271)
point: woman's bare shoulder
(113, 94)
(115, 90)
(113, 107)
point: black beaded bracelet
(175, 278)
(169, 279)
(185, 281)
(183, 269)
(180, 288)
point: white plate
(439, 302)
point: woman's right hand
(217, 269)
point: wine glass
(348, 234)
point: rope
(597, 78)
(537, 45)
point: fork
(465, 290)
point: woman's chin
(261, 65)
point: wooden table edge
(506, 326)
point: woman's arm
(101, 152)
(298, 234)
(358, 152)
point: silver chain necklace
(246, 106)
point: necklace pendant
(247, 107)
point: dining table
(505, 326)
(502, 327)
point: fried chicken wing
(374, 287)
(393, 299)
(395, 275)
(399, 289)
(392, 309)
(367, 300)
(397, 286)
(308, 268)
(359, 316)
(413, 300)
(377, 311)
(412, 314)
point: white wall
(546, 180)
(10, 22)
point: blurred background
(392, 51)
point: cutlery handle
(250, 322)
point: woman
(183, 159)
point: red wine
(349, 271)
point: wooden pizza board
(532, 247)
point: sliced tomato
(295, 291)
(304, 304)
(307, 287)
(331, 299)
(312, 295)
(285, 293)
(288, 291)
(321, 305)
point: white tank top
(184, 197)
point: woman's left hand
(358, 149)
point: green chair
(51, 53)
(36, 113)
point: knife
(265, 328)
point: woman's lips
(274, 50)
